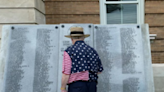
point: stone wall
(21, 12)
(154, 16)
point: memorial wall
(32, 57)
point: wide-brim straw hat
(77, 31)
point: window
(122, 11)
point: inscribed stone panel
(121, 51)
(31, 59)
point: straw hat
(77, 31)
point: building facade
(89, 11)
(16, 12)
(106, 11)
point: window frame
(140, 10)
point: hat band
(75, 32)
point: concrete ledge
(158, 69)
(21, 16)
(158, 72)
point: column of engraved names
(102, 38)
(131, 85)
(42, 67)
(129, 44)
(15, 72)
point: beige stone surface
(159, 84)
(17, 3)
(21, 4)
(40, 18)
(158, 70)
(40, 5)
(17, 15)
(20, 16)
